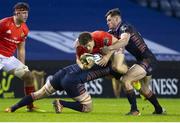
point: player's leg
(116, 87)
(149, 65)
(45, 91)
(150, 96)
(76, 90)
(135, 73)
(118, 64)
(83, 103)
(13, 66)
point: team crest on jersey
(123, 28)
(106, 41)
(22, 34)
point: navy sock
(72, 105)
(153, 99)
(132, 99)
(23, 102)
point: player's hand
(103, 61)
(105, 50)
(88, 65)
(87, 60)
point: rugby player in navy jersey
(142, 70)
(71, 79)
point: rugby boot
(8, 110)
(134, 113)
(57, 106)
(161, 111)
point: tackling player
(71, 79)
(13, 33)
(133, 42)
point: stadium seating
(169, 7)
(55, 24)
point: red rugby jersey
(100, 38)
(11, 35)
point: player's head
(87, 41)
(21, 11)
(113, 18)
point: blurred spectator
(169, 7)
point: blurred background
(55, 24)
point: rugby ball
(86, 58)
(97, 58)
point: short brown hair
(113, 12)
(21, 6)
(84, 38)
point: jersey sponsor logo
(22, 34)
(64, 41)
(11, 40)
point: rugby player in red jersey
(93, 42)
(13, 33)
(118, 60)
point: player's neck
(17, 22)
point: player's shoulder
(99, 34)
(6, 20)
(6, 23)
(126, 27)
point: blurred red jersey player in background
(13, 33)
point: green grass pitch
(105, 110)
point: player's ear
(116, 18)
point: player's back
(101, 39)
(136, 45)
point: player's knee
(21, 71)
(86, 101)
(28, 77)
(144, 90)
(46, 90)
(126, 83)
(87, 107)
(39, 94)
(49, 88)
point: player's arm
(122, 42)
(81, 53)
(21, 52)
(123, 39)
(105, 59)
(107, 39)
(79, 62)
